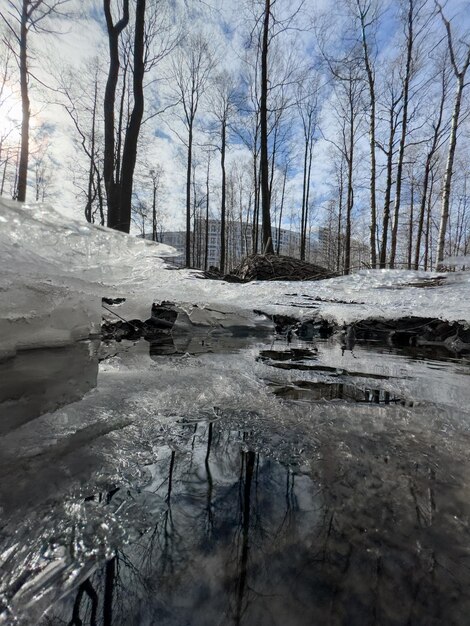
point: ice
(55, 271)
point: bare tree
(308, 107)
(349, 89)
(42, 164)
(367, 13)
(414, 8)
(222, 104)
(460, 61)
(433, 146)
(21, 18)
(114, 30)
(270, 27)
(192, 68)
(156, 176)
(81, 98)
(129, 155)
(391, 111)
(138, 51)
(8, 131)
(264, 159)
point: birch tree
(459, 54)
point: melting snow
(55, 271)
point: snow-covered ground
(54, 273)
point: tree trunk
(350, 197)
(112, 192)
(206, 243)
(404, 127)
(154, 212)
(428, 223)
(223, 192)
(373, 166)
(188, 194)
(340, 217)
(422, 209)
(373, 199)
(264, 161)
(410, 230)
(388, 193)
(304, 200)
(25, 108)
(91, 191)
(129, 154)
(278, 250)
(446, 190)
(254, 230)
(307, 199)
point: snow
(55, 271)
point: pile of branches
(274, 267)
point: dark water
(278, 484)
(36, 381)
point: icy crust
(38, 233)
(54, 272)
(386, 294)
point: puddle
(36, 381)
(226, 477)
(238, 537)
(290, 363)
(291, 354)
(315, 391)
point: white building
(239, 243)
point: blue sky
(227, 26)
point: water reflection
(202, 340)
(36, 381)
(238, 538)
(214, 507)
(315, 391)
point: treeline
(354, 120)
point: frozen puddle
(229, 478)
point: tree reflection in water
(234, 536)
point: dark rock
(163, 315)
(112, 301)
(122, 329)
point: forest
(351, 118)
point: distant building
(239, 243)
(321, 247)
(330, 251)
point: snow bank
(54, 273)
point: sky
(81, 37)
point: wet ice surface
(187, 489)
(37, 381)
